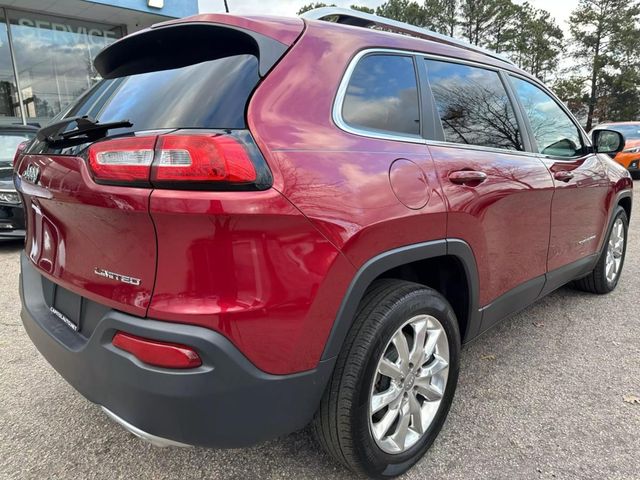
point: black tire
(341, 424)
(635, 175)
(596, 281)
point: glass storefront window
(54, 57)
(9, 106)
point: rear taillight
(122, 160)
(19, 151)
(211, 160)
(154, 352)
(202, 158)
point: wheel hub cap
(410, 380)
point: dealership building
(47, 48)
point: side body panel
(253, 268)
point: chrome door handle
(563, 176)
(467, 177)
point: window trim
(428, 107)
(341, 94)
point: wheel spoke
(416, 414)
(381, 428)
(430, 392)
(400, 342)
(435, 367)
(400, 437)
(433, 335)
(390, 369)
(381, 400)
(417, 352)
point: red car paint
(269, 269)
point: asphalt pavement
(542, 395)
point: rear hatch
(169, 114)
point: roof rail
(366, 20)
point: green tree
(312, 6)
(534, 40)
(442, 15)
(362, 9)
(477, 19)
(405, 11)
(596, 27)
(570, 89)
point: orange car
(630, 156)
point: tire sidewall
(378, 463)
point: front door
(580, 202)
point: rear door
(580, 203)
(498, 194)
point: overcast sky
(560, 9)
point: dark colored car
(11, 213)
(629, 157)
(255, 223)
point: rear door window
(554, 132)
(382, 96)
(473, 106)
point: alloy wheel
(410, 380)
(615, 251)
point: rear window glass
(210, 94)
(383, 95)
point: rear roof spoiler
(175, 45)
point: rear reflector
(210, 160)
(159, 354)
(122, 159)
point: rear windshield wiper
(86, 127)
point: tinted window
(383, 95)
(553, 131)
(473, 106)
(210, 94)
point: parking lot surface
(540, 396)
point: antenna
(226, 6)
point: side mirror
(608, 141)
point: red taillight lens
(19, 151)
(211, 160)
(202, 158)
(159, 354)
(122, 160)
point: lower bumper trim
(147, 437)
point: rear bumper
(226, 402)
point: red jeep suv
(254, 223)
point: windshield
(9, 144)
